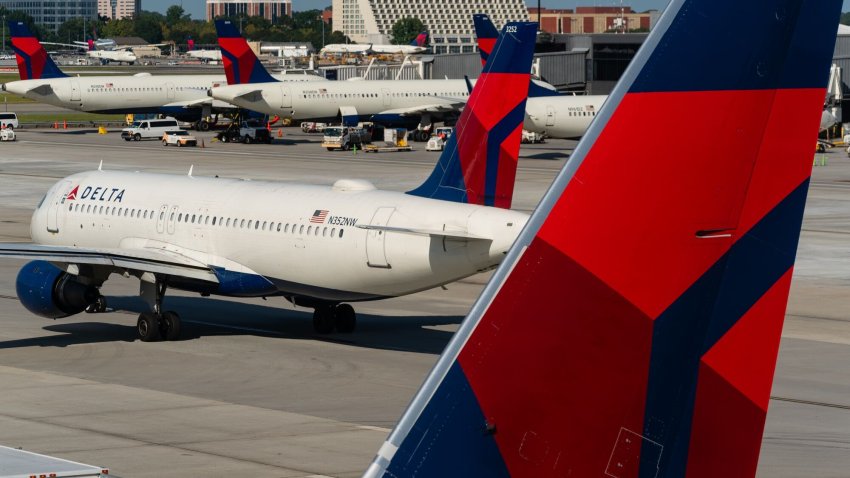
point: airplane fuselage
(565, 117)
(307, 240)
(324, 101)
(141, 93)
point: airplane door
(285, 97)
(386, 94)
(550, 115)
(160, 221)
(170, 90)
(75, 90)
(57, 201)
(172, 218)
(376, 255)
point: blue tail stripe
(494, 142)
(685, 61)
(440, 441)
(693, 324)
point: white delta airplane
(547, 111)
(416, 46)
(106, 50)
(414, 104)
(181, 96)
(316, 246)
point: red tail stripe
(697, 183)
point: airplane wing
(82, 47)
(447, 107)
(215, 104)
(158, 261)
(43, 90)
(452, 234)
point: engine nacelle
(48, 291)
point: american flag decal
(319, 216)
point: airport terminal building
(51, 14)
(448, 21)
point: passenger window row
(219, 221)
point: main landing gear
(156, 324)
(339, 317)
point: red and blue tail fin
(420, 39)
(478, 164)
(241, 65)
(486, 35)
(632, 331)
(33, 61)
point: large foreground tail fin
(479, 162)
(33, 61)
(241, 65)
(633, 329)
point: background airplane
(317, 246)
(547, 112)
(633, 329)
(418, 45)
(409, 103)
(182, 96)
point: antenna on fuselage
(100, 166)
(190, 170)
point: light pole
(323, 29)
(4, 34)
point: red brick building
(591, 19)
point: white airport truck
(16, 463)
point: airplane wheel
(98, 306)
(344, 318)
(203, 126)
(169, 326)
(346, 147)
(148, 327)
(323, 320)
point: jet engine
(46, 290)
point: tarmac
(251, 390)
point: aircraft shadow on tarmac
(210, 317)
(553, 155)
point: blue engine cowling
(46, 290)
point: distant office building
(593, 20)
(51, 14)
(271, 10)
(118, 9)
(449, 22)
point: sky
(196, 7)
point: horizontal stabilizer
(424, 232)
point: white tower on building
(449, 22)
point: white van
(8, 120)
(149, 129)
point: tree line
(177, 26)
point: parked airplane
(416, 46)
(317, 246)
(205, 55)
(105, 50)
(547, 112)
(408, 103)
(633, 329)
(182, 96)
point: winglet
(632, 330)
(241, 65)
(33, 61)
(479, 162)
